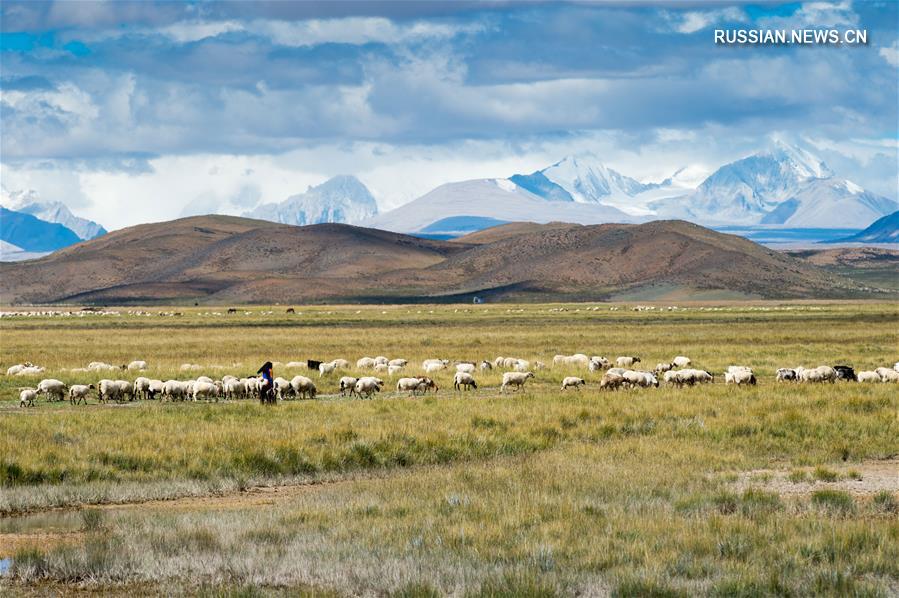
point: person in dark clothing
(267, 392)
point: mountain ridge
(221, 259)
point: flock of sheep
(622, 375)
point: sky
(131, 112)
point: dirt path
(859, 479)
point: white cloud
(693, 21)
(891, 54)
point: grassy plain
(711, 490)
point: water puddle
(5, 566)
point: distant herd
(676, 373)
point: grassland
(713, 490)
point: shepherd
(267, 392)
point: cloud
(693, 21)
(891, 54)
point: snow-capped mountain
(29, 202)
(486, 199)
(32, 234)
(581, 178)
(340, 199)
(55, 211)
(785, 186)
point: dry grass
(535, 494)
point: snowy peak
(342, 199)
(588, 180)
(55, 211)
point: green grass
(538, 493)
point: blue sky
(145, 111)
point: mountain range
(340, 199)
(883, 230)
(30, 227)
(224, 259)
(784, 186)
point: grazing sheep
(786, 375)
(54, 389)
(738, 377)
(393, 370)
(408, 384)
(427, 384)
(434, 367)
(888, 374)
(381, 360)
(326, 368)
(205, 390)
(282, 387)
(663, 367)
(869, 376)
(341, 364)
(365, 363)
(573, 382)
(577, 360)
(141, 387)
(381, 367)
(189, 367)
(303, 387)
(516, 379)
(137, 365)
(27, 397)
(24, 369)
(79, 392)
(100, 366)
(348, 385)
(156, 388)
(464, 379)
(367, 386)
(486, 366)
(680, 361)
(627, 361)
(205, 379)
(896, 366)
(522, 365)
(611, 381)
(822, 373)
(642, 379)
(398, 362)
(467, 368)
(171, 390)
(234, 389)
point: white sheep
(393, 370)
(156, 388)
(27, 397)
(367, 386)
(467, 368)
(141, 387)
(627, 361)
(521, 365)
(54, 389)
(326, 368)
(282, 387)
(234, 388)
(303, 387)
(365, 363)
(739, 376)
(24, 369)
(663, 367)
(680, 361)
(421, 384)
(486, 366)
(464, 379)
(434, 367)
(79, 393)
(137, 364)
(381, 367)
(573, 382)
(295, 364)
(822, 373)
(348, 385)
(869, 376)
(205, 390)
(205, 379)
(611, 381)
(381, 360)
(171, 389)
(100, 366)
(341, 364)
(516, 379)
(398, 362)
(888, 374)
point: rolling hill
(882, 230)
(221, 259)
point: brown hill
(219, 259)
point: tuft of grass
(825, 475)
(885, 502)
(836, 502)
